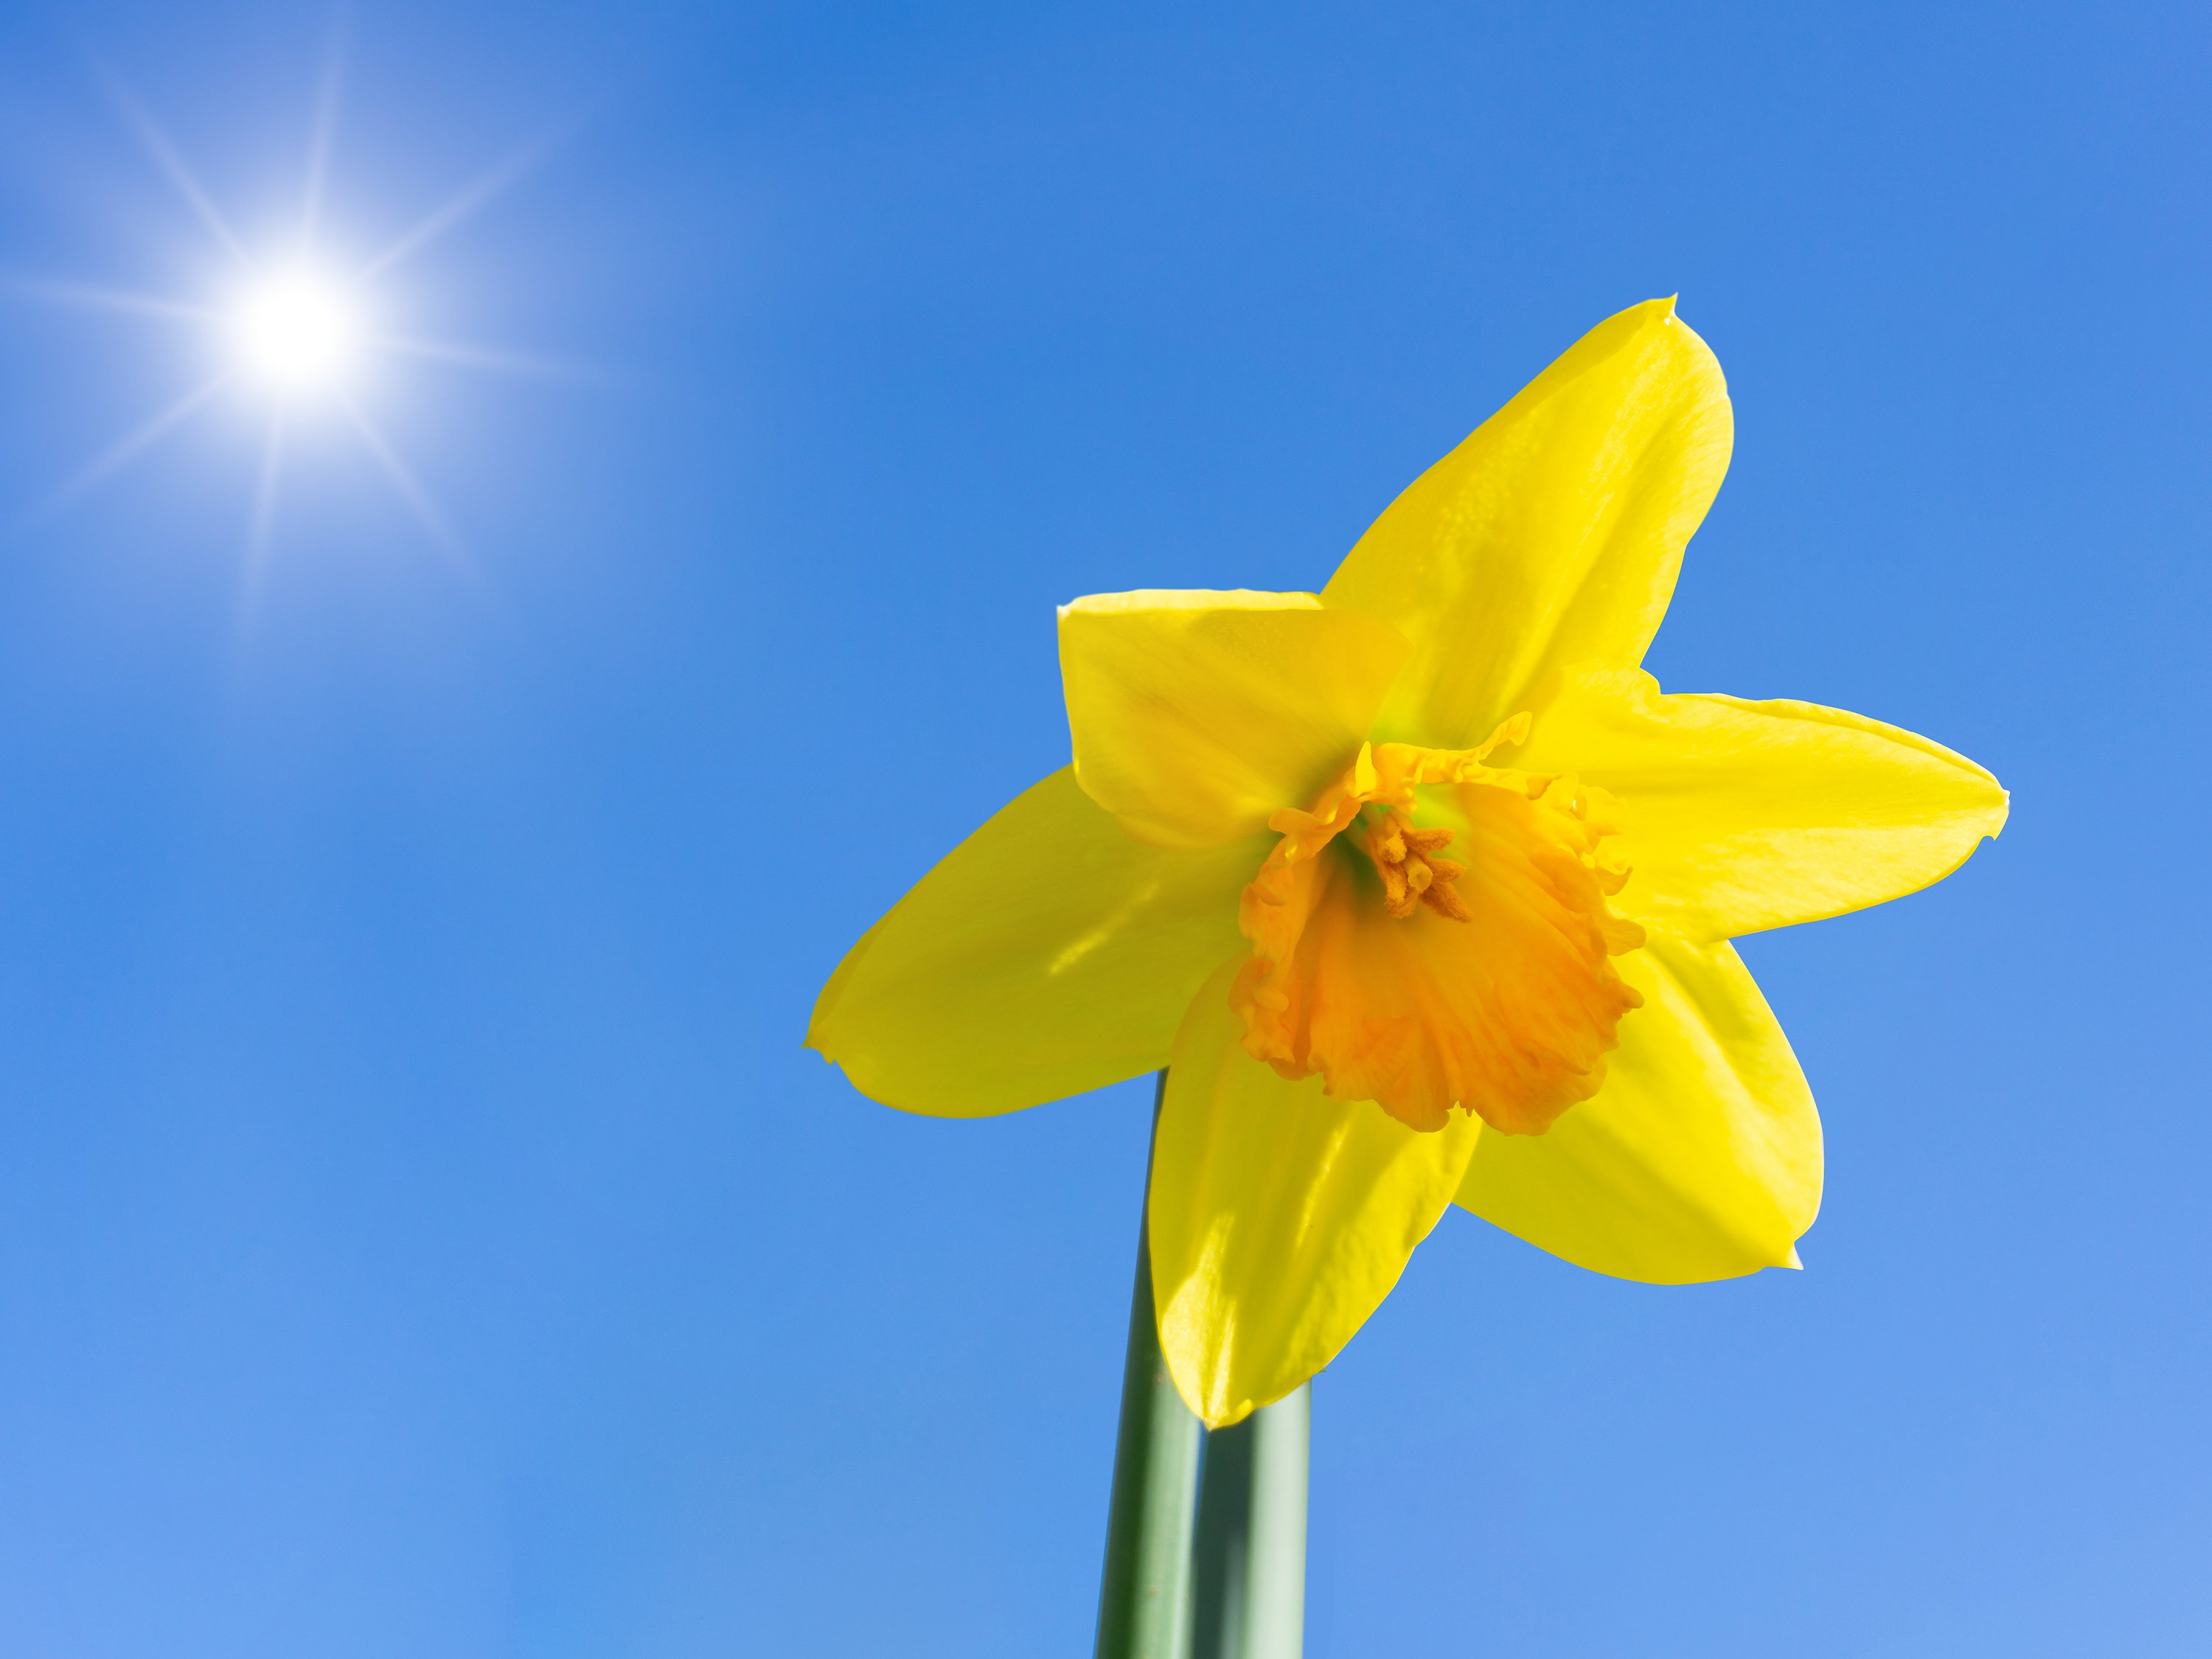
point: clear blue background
(421, 1231)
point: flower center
(1412, 875)
(1482, 982)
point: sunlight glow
(300, 331)
(297, 332)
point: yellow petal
(1736, 816)
(1552, 534)
(1196, 714)
(1048, 954)
(1279, 1218)
(1698, 1159)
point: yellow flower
(1429, 840)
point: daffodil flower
(1421, 890)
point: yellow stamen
(1411, 873)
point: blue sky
(420, 1230)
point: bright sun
(297, 332)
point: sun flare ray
(170, 159)
(90, 297)
(404, 482)
(263, 521)
(461, 354)
(323, 135)
(463, 205)
(140, 439)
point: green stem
(1250, 1601)
(1144, 1594)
